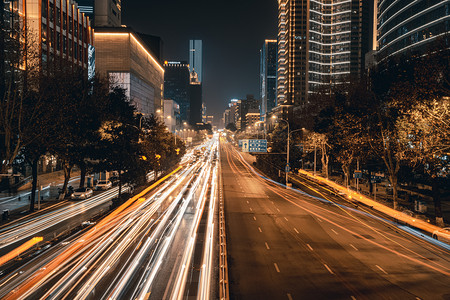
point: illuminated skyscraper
(268, 77)
(195, 99)
(176, 86)
(319, 45)
(196, 58)
(409, 26)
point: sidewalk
(410, 201)
(50, 183)
(404, 217)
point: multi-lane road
(280, 243)
(284, 244)
(158, 244)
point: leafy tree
(425, 130)
(118, 148)
(231, 127)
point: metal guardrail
(223, 264)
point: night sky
(233, 32)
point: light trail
(100, 235)
(290, 196)
(12, 234)
(19, 250)
(123, 255)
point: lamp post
(287, 154)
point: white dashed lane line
(328, 268)
(259, 228)
(295, 229)
(381, 269)
(335, 231)
(267, 246)
(289, 296)
(319, 220)
(276, 267)
(309, 246)
(354, 247)
(286, 219)
(254, 218)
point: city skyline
(231, 62)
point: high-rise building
(176, 86)
(108, 13)
(229, 116)
(408, 27)
(126, 60)
(195, 94)
(103, 13)
(242, 108)
(61, 30)
(171, 114)
(319, 45)
(268, 77)
(155, 44)
(56, 34)
(196, 58)
(87, 8)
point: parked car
(82, 193)
(103, 185)
(114, 180)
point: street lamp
(287, 154)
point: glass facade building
(406, 26)
(319, 45)
(268, 77)
(176, 86)
(196, 58)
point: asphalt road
(148, 248)
(286, 245)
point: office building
(251, 118)
(268, 77)
(242, 108)
(56, 30)
(176, 85)
(102, 13)
(195, 95)
(87, 8)
(408, 27)
(126, 60)
(226, 117)
(155, 45)
(171, 114)
(196, 58)
(229, 116)
(319, 46)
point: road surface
(284, 244)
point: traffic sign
(375, 179)
(287, 168)
(256, 146)
(357, 174)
